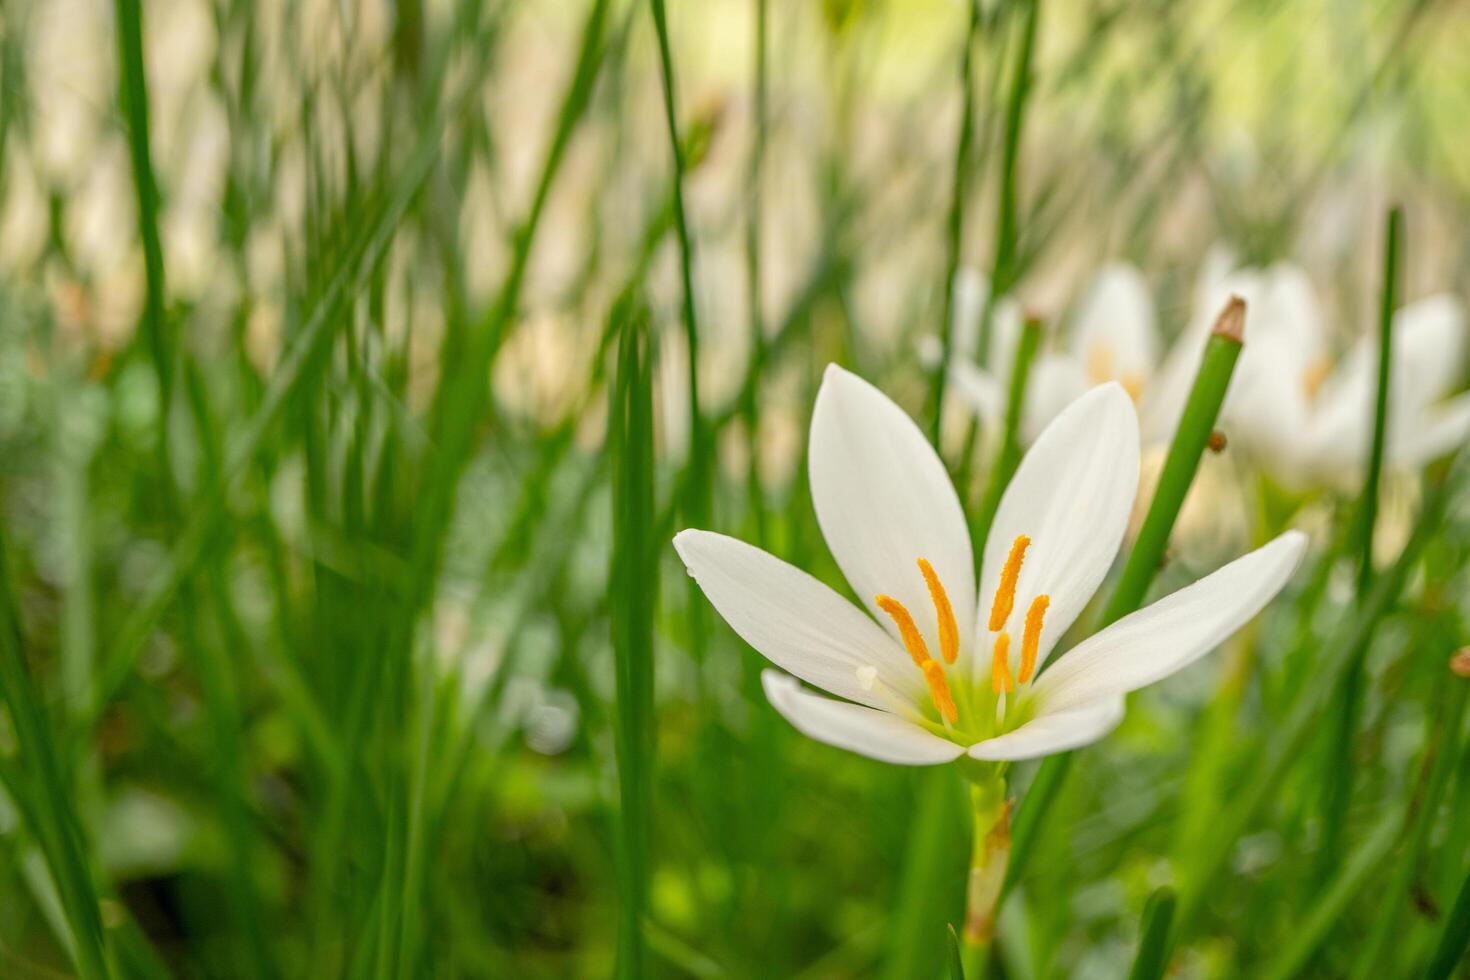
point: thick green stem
(1193, 434)
(1190, 439)
(990, 852)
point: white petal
(884, 500)
(798, 623)
(1429, 348)
(1057, 380)
(1071, 496)
(971, 290)
(1053, 731)
(1114, 328)
(875, 734)
(982, 392)
(1172, 633)
(1432, 433)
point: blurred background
(307, 312)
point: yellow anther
(913, 640)
(1005, 593)
(1315, 374)
(939, 691)
(1031, 639)
(1099, 363)
(1133, 384)
(1000, 665)
(949, 631)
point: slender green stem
(955, 224)
(990, 851)
(697, 485)
(1388, 301)
(1195, 426)
(1337, 789)
(1154, 941)
(1008, 454)
(134, 85)
(1003, 267)
(633, 575)
(754, 291)
(1190, 440)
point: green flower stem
(634, 574)
(1337, 789)
(990, 852)
(1190, 440)
(1193, 434)
(1008, 455)
(955, 225)
(696, 489)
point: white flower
(1307, 419)
(1112, 337)
(950, 670)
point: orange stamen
(939, 691)
(1000, 665)
(949, 631)
(1005, 593)
(1031, 639)
(913, 640)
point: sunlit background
(305, 501)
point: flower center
(1002, 679)
(1315, 374)
(913, 640)
(1100, 371)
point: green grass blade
(133, 84)
(1337, 788)
(50, 805)
(955, 220)
(1454, 939)
(956, 960)
(1154, 943)
(696, 489)
(634, 579)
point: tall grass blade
(634, 588)
(1346, 707)
(1152, 958)
(47, 800)
(954, 225)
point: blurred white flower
(1112, 337)
(1307, 419)
(923, 688)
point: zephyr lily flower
(1112, 337)
(934, 669)
(1306, 419)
